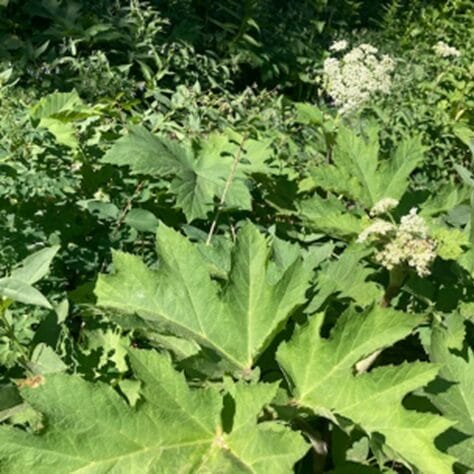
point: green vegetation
(236, 236)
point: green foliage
(219, 169)
(456, 402)
(18, 285)
(358, 172)
(237, 323)
(188, 433)
(307, 302)
(320, 375)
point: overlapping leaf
(455, 396)
(329, 215)
(360, 174)
(321, 375)
(58, 111)
(348, 278)
(173, 429)
(237, 321)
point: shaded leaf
(34, 267)
(455, 399)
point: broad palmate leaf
(237, 321)
(91, 429)
(321, 376)
(360, 174)
(197, 176)
(455, 399)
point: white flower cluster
(408, 243)
(445, 51)
(353, 79)
(383, 206)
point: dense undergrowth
(236, 236)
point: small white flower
(445, 51)
(368, 48)
(383, 206)
(413, 224)
(377, 229)
(340, 45)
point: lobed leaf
(321, 376)
(238, 321)
(173, 428)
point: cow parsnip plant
(236, 323)
(226, 264)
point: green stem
(227, 186)
(396, 278)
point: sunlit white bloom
(445, 51)
(377, 229)
(416, 252)
(340, 45)
(383, 206)
(352, 80)
(368, 48)
(413, 224)
(406, 244)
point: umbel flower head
(443, 50)
(407, 243)
(353, 79)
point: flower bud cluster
(383, 206)
(445, 51)
(377, 229)
(407, 243)
(353, 79)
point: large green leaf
(146, 153)
(237, 321)
(174, 428)
(35, 266)
(199, 178)
(455, 399)
(361, 175)
(321, 376)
